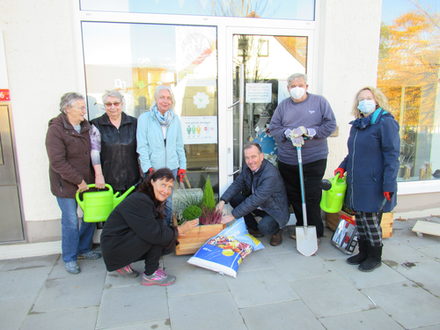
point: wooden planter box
(196, 237)
(387, 224)
(332, 221)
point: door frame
(225, 89)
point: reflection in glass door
(262, 64)
(11, 228)
(136, 57)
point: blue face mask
(367, 106)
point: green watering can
(97, 205)
(333, 194)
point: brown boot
(277, 238)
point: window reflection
(408, 75)
(277, 9)
(263, 60)
(136, 58)
(1, 152)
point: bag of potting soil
(225, 252)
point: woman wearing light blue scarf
(159, 138)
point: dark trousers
(267, 224)
(313, 174)
(151, 258)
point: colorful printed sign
(199, 129)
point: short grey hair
(249, 145)
(164, 87)
(68, 99)
(113, 93)
(297, 76)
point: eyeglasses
(83, 108)
(109, 104)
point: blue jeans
(267, 225)
(169, 204)
(76, 235)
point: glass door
(261, 65)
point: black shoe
(373, 261)
(361, 256)
(255, 232)
(276, 238)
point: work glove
(299, 135)
(306, 133)
(311, 132)
(339, 171)
(297, 141)
(181, 174)
(299, 131)
(296, 136)
(388, 195)
(149, 172)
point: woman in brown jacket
(68, 148)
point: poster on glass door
(199, 129)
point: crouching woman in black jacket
(136, 230)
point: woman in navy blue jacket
(371, 167)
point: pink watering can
(98, 204)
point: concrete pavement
(276, 288)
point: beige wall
(42, 65)
(348, 51)
(417, 205)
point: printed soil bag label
(225, 252)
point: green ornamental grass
(208, 201)
(191, 212)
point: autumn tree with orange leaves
(408, 73)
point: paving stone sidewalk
(276, 288)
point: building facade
(227, 61)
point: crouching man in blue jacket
(258, 195)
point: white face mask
(367, 106)
(297, 92)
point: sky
(391, 9)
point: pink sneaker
(159, 277)
(127, 271)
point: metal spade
(306, 238)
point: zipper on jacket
(165, 146)
(352, 168)
(164, 141)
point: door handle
(235, 172)
(241, 99)
(240, 102)
(234, 104)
